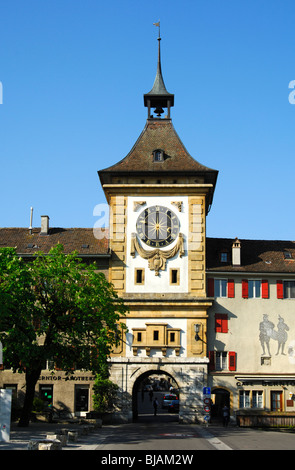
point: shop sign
(269, 382)
(75, 378)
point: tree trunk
(32, 377)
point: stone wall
(190, 375)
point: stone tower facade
(159, 197)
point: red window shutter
(221, 323)
(280, 290)
(245, 289)
(231, 288)
(211, 360)
(232, 360)
(210, 287)
(264, 289)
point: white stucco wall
(243, 337)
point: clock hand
(157, 225)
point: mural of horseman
(267, 332)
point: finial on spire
(158, 25)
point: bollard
(63, 431)
(72, 436)
(59, 437)
(45, 444)
(33, 445)
(49, 445)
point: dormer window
(158, 155)
(224, 256)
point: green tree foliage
(56, 308)
(105, 393)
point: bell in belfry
(159, 111)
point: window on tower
(139, 276)
(174, 277)
(158, 155)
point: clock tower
(159, 197)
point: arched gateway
(189, 376)
(139, 386)
(159, 197)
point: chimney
(236, 252)
(44, 225)
(31, 221)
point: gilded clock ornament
(157, 226)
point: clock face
(157, 226)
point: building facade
(251, 329)
(208, 313)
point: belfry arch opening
(150, 385)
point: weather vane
(158, 25)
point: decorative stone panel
(196, 246)
(118, 243)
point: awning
(266, 379)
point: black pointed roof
(159, 96)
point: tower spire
(158, 97)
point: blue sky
(73, 75)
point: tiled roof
(257, 256)
(80, 239)
(158, 134)
(265, 256)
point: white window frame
(287, 289)
(220, 288)
(221, 360)
(254, 290)
(244, 399)
(257, 399)
(251, 399)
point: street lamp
(197, 327)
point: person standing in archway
(155, 404)
(225, 415)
